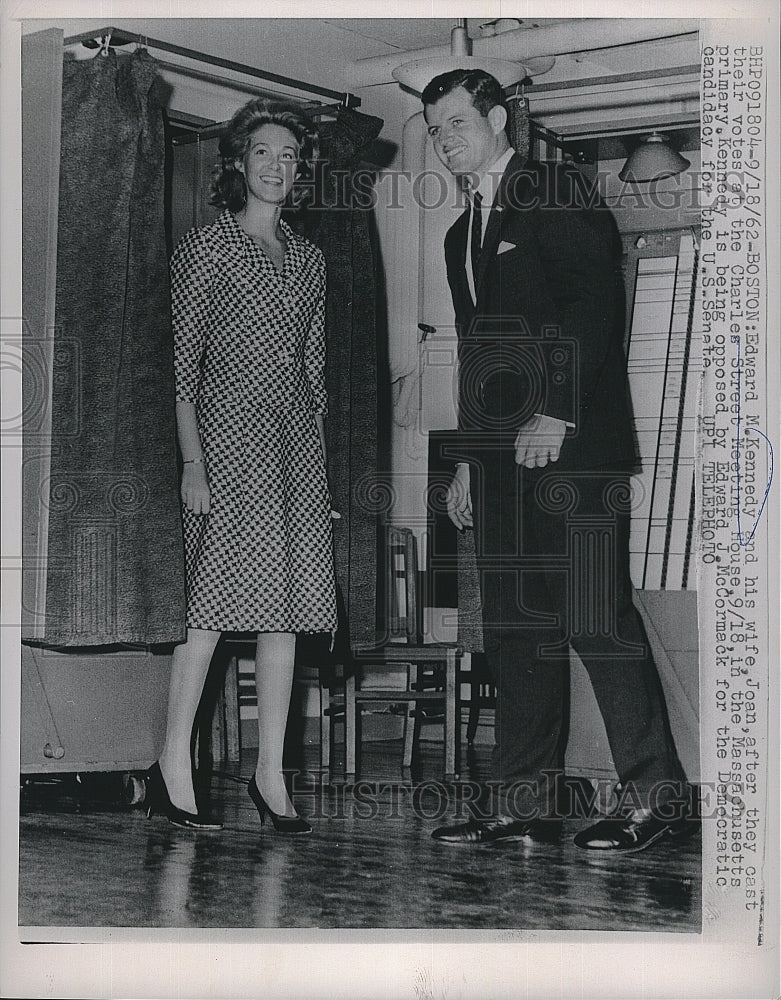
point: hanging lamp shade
(417, 73)
(653, 159)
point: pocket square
(504, 246)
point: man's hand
(458, 498)
(539, 441)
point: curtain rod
(121, 37)
(312, 108)
(604, 81)
(209, 130)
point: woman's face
(270, 163)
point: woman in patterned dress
(248, 299)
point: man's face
(465, 141)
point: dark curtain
(115, 570)
(519, 125)
(340, 223)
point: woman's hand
(195, 488)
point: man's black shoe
(495, 831)
(634, 833)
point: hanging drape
(115, 569)
(341, 225)
(519, 124)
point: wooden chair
(225, 721)
(233, 690)
(431, 668)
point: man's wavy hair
(484, 89)
(228, 187)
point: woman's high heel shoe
(159, 801)
(284, 824)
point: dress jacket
(245, 335)
(545, 334)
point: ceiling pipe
(522, 44)
(550, 103)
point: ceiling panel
(397, 32)
(320, 50)
(307, 48)
(407, 33)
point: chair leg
(411, 719)
(325, 730)
(450, 715)
(350, 712)
(232, 723)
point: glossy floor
(87, 860)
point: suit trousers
(553, 559)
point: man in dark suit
(546, 447)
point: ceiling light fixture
(653, 159)
(416, 74)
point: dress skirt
(261, 559)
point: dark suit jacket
(546, 333)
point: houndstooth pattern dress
(250, 353)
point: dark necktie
(476, 235)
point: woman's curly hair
(228, 187)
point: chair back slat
(394, 550)
(404, 613)
(413, 631)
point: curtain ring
(106, 43)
